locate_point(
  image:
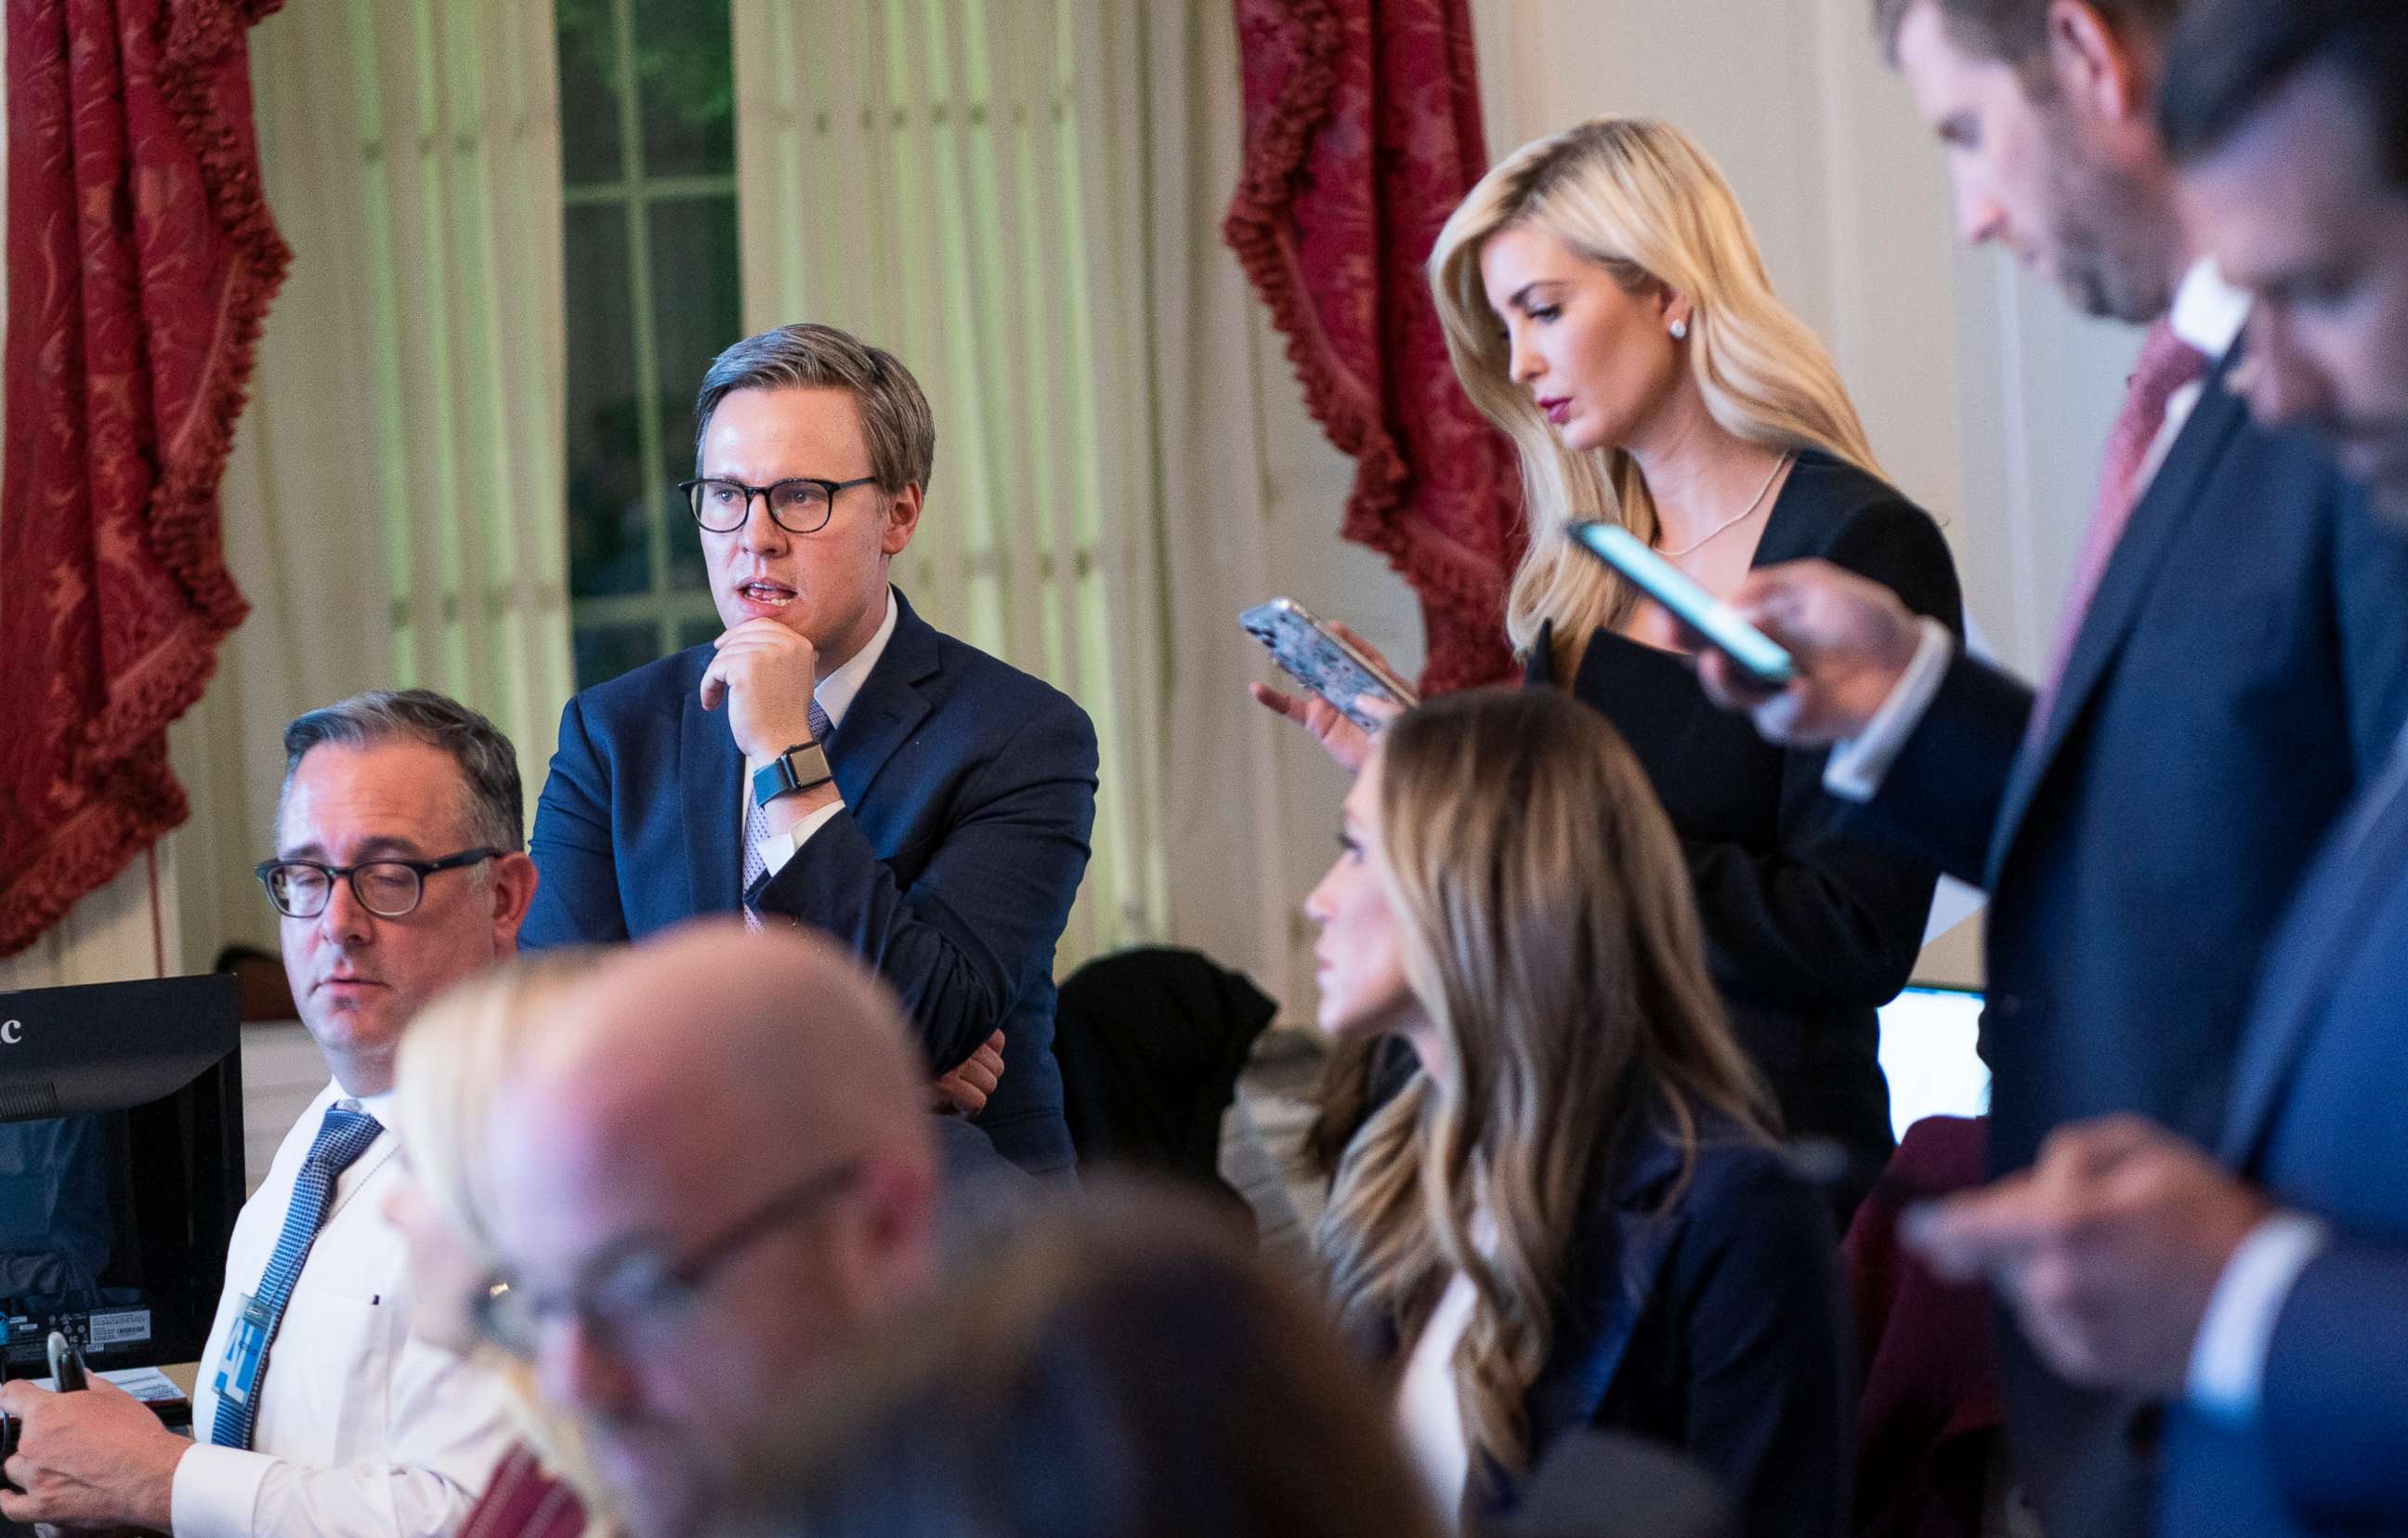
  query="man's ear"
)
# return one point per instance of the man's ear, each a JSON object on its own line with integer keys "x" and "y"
{"x": 514, "y": 888}
{"x": 2095, "y": 65}
{"x": 902, "y": 521}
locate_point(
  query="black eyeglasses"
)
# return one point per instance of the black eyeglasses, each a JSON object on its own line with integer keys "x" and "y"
{"x": 631, "y": 1288}
{"x": 800, "y": 506}
{"x": 388, "y": 888}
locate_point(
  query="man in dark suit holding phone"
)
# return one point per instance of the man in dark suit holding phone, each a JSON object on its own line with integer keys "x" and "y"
{"x": 2260, "y": 1293}
{"x": 832, "y": 759}
{"x": 2232, "y": 667}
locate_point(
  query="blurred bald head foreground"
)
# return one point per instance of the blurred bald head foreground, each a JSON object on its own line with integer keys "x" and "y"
{"x": 705, "y": 1181}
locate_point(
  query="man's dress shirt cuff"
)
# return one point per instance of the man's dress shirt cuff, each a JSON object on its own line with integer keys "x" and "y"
{"x": 1856, "y": 766}
{"x": 2227, "y": 1360}
{"x": 778, "y": 848}
{"x": 216, "y": 1490}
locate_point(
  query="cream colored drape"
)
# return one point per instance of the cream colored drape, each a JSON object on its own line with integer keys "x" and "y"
{"x": 395, "y": 507}
{"x": 964, "y": 182}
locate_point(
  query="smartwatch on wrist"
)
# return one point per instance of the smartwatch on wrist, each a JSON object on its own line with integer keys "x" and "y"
{"x": 797, "y": 769}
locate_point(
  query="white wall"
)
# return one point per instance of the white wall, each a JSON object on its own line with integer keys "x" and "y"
{"x": 1987, "y": 400}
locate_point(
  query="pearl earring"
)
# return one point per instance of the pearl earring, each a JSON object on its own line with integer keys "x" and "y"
{"x": 1679, "y": 331}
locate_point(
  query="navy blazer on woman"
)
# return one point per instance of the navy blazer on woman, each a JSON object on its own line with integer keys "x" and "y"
{"x": 2238, "y": 675}
{"x": 2315, "y": 1121}
{"x": 1713, "y": 1326}
{"x": 970, "y": 790}
{"x": 1813, "y": 915}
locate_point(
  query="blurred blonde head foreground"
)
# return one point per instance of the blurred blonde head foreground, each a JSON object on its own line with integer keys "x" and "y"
{"x": 454, "y": 1055}
{"x": 1131, "y": 1369}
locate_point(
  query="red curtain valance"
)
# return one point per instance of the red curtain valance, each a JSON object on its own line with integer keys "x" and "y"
{"x": 1362, "y": 134}
{"x": 141, "y": 260}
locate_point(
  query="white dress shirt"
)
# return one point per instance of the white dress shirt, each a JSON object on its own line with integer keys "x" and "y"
{"x": 364, "y": 1428}
{"x": 2208, "y": 313}
{"x": 1429, "y": 1411}
{"x": 835, "y": 694}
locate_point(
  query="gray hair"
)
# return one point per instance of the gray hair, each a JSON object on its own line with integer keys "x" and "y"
{"x": 489, "y": 766}
{"x": 895, "y": 415}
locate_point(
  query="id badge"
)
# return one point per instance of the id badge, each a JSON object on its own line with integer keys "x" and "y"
{"x": 246, "y": 1353}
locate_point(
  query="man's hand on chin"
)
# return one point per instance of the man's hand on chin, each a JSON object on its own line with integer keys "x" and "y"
{"x": 93, "y": 1459}
{"x": 765, "y": 673}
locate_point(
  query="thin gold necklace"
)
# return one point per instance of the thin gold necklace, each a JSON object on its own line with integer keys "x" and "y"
{"x": 1733, "y": 521}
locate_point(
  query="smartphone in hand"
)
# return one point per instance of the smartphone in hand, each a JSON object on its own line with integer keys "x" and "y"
{"x": 1762, "y": 658}
{"x": 1324, "y": 661}
{"x": 66, "y": 1364}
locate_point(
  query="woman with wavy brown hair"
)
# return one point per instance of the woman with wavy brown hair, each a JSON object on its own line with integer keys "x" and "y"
{"x": 1574, "y": 1213}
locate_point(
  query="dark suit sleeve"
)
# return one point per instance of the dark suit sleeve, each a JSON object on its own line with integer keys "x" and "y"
{"x": 1833, "y": 915}
{"x": 977, "y": 926}
{"x": 577, "y": 887}
{"x": 2370, "y": 573}
{"x": 2334, "y": 1408}
{"x": 1763, "y": 1328}
{"x": 1942, "y": 793}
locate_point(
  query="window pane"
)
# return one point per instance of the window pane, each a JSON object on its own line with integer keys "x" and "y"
{"x": 605, "y": 651}
{"x": 608, "y": 504}
{"x": 687, "y": 83}
{"x": 589, "y": 93}
{"x": 697, "y": 310}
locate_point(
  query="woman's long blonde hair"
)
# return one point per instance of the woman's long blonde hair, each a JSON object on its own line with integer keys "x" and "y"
{"x": 457, "y": 1050}
{"x": 1549, "y": 928}
{"x": 1640, "y": 199}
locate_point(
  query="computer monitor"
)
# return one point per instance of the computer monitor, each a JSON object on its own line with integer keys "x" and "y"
{"x": 121, "y": 1167}
{"x": 1928, "y": 1035}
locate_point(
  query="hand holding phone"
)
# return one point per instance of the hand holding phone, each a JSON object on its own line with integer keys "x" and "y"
{"x": 1324, "y": 660}
{"x": 66, "y": 1364}
{"x": 1762, "y": 658}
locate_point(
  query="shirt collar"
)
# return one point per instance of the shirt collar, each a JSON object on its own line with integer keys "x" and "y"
{"x": 2208, "y": 311}
{"x": 380, "y": 1106}
{"x": 835, "y": 691}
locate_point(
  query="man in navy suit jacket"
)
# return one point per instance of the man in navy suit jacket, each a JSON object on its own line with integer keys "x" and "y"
{"x": 2235, "y": 676}
{"x": 2263, "y": 1294}
{"x": 831, "y": 759}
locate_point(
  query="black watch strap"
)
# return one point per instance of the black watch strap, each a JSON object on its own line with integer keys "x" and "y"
{"x": 797, "y": 769}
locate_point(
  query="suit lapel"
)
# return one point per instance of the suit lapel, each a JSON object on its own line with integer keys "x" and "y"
{"x": 2152, "y": 535}
{"x": 709, "y": 771}
{"x": 2328, "y": 923}
{"x": 881, "y": 716}
{"x": 1634, "y": 1240}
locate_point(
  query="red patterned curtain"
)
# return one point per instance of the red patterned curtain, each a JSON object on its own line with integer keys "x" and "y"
{"x": 1362, "y": 134}
{"x": 141, "y": 259}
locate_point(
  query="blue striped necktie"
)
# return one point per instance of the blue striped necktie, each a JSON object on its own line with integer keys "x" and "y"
{"x": 342, "y": 1138}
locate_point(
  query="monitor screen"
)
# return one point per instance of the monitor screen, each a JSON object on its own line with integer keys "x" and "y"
{"x": 120, "y": 1168}
{"x": 1929, "y": 1037}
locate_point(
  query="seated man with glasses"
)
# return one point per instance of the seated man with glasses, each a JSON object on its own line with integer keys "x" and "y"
{"x": 316, "y": 1411}
{"x": 831, "y": 759}
{"x": 698, "y": 1192}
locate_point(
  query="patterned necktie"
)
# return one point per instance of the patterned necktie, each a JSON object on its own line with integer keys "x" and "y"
{"x": 2167, "y": 363}
{"x": 754, "y": 865}
{"x": 342, "y": 1138}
